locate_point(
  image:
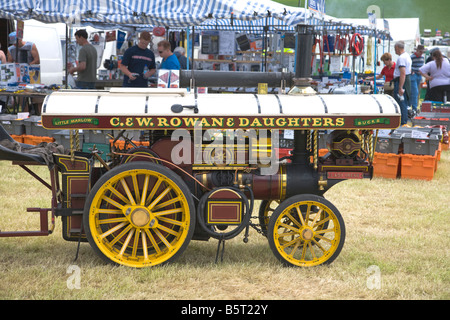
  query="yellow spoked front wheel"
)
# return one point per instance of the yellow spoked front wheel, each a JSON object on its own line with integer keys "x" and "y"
{"x": 139, "y": 214}
{"x": 266, "y": 209}
{"x": 306, "y": 230}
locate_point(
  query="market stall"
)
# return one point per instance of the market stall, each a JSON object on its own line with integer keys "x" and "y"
{"x": 252, "y": 17}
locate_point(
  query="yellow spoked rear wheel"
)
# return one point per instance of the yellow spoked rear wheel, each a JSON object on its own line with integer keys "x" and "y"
{"x": 139, "y": 214}
{"x": 305, "y": 231}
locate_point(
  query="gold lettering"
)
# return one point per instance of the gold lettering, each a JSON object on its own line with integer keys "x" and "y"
{"x": 115, "y": 122}
{"x": 268, "y": 122}
{"x": 162, "y": 122}
{"x": 328, "y": 122}
{"x": 293, "y": 122}
{"x": 256, "y": 123}
{"x": 280, "y": 122}
{"x": 230, "y": 122}
{"x": 205, "y": 123}
{"x": 190, "y": 122}
{"x": 144, "y": 122}
{"x": 217, "y": 122}
{"x": 243, "y": 122}
{"x": 175, "y": 122}
{"x": 340, "y": 122}
{"x": 317, "y": 122}
{"x": 129, "y": 122}
{"x": 305, "y": 121}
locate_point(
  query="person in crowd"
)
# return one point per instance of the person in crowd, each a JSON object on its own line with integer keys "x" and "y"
{"x": 180, "y": 53}
{"x": 2, "y": 61}
{"x": 135, "y": 60}
{"x": 87, "y": 62}
{"x": 2, "y": 56}
{"x": 27, "y": 53}
{"x": 418, "y": 60}
{"x": 387, "y": 72}
{"x": 170, "y": 61}
{"x": 402, "y": 80}
{"x": 437, "y": 73}
{"x": 430, "y": 58}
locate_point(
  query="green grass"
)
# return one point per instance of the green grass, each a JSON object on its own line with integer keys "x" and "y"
{"x": 433, "y": 14}
{"x": 399, "y": 226}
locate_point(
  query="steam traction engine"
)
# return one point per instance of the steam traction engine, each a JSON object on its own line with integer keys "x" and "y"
{"x": 209, "y": 157}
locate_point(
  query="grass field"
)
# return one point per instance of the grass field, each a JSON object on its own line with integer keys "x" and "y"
{"x": 397, "y": 247}
{"x": 433, "y": 14}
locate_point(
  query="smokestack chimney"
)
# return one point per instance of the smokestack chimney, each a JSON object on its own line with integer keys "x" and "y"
{"x": 303, "y": 55}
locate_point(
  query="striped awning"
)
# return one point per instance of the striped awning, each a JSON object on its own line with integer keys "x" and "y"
{"x": 271, "y": 24}
{"x": 232, "y": 15}
{"x": 171, "y": 13}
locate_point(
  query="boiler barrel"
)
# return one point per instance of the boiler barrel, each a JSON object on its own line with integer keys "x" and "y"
{"x": 234, "y": 79}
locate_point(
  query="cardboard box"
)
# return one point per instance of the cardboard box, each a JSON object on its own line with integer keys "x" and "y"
{"x": 34, "y": 72}
{"x": 163, "y": 78}
{"x": 10, "y": 73}
{"x": 15, "y": 73}
{"x": 168, "y": 78}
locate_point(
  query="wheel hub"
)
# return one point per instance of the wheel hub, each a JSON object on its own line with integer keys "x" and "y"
{"x": 307, "y": 234}
{"x": 140, "y": 217}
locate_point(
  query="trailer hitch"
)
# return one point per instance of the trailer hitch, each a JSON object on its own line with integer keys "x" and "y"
{"x": 44, "y": 230}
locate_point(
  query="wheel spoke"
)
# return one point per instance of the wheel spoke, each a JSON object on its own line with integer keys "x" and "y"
{"x": 136, "y": 188}
{"x": 171, "y": 211}
{"x": 158, "y": 198}
{"x": 110, "y": 211}
{"x": 154, "y": 189}
{"x": 127, "y": 241}
{"x": 295, "y": 248}
{"x": 303, "y": 256}
{"x": 328, "y": 218}
{"x": 311, "y": 249}
{"x": 165, "y": 204}
{"x": 128, "y": 192}
{"x": 145, "y": 189}
{"x": 317, "y": 216}
{"x": 170, "y": 231}
{"x": 116, "y": 228}
{"x": 120, "y": 235}
{"x": 287, "y": 234}
{"x": 144, "y": 246}
{"x": 300, "y": 215}
{"x": 324, "y": 239}
{"x": 153, "y": 241}
{"x": 324, "y": 231}
{"x": 289, "y": 227}
{"x": 112, "y": 202}
{"x": 171, "y": 221}
{"x": 319, "y": 246}
{"x": 136, "y": 242}
{"x": 163, "y": 239}
{"x": 308, "y": 211}
{"x": 288, "y": 244}
{"x": 113, "y": 220}
{"x": 119, "y": 195}
{"x": 293, "y": 220}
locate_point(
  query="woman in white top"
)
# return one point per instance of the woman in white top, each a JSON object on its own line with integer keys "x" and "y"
{"x": 437, "y": 73}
